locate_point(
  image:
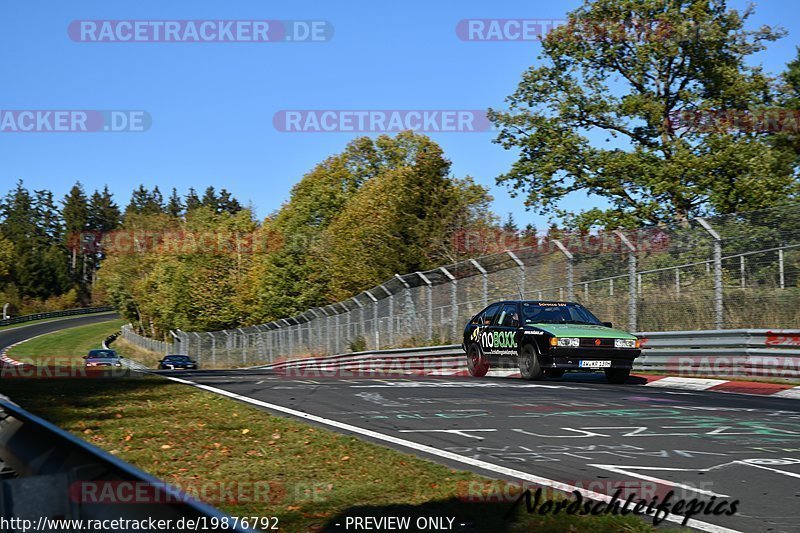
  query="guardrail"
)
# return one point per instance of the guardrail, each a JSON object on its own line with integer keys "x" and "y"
{"x": 52, "y": 469}
{"x": 736, "y": 352}
{"x": 54, "y": 314}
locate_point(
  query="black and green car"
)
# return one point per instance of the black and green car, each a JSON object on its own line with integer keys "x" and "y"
{"x": 547, "y": 339}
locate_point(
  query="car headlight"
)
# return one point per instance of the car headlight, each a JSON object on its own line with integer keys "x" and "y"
{"x": 626, "y": 343}
{"x": 569, "y": 342}
{"x": 118, "y": 364}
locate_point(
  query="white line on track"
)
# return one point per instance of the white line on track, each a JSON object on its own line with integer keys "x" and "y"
{"x": 508, "y": 472}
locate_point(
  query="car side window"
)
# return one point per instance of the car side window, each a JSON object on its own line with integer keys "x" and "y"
{"x": 489, "y": 314}
{"x": 511, "y": 318}
{"x": 508, "y": 317}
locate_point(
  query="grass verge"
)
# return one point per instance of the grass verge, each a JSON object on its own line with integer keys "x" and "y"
{"x": 70, "y": 343}
{"x": 190, "y": 437}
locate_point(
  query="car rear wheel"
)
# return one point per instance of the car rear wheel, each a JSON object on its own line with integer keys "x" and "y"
{"x": 618, "y": 375}
{"x": 529, "y": 366}
{"x": 476, "y": 362}
{"x": 554, "y": 372}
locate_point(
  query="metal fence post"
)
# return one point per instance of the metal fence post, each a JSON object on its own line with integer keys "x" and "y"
{"x": 391, "y": 314}
{"x": 349, "y": 324}
{"x": 719, "y": 318}
{"x": 570, "y": 271}
{"x": 781, "y": 269}
{"x": 360, "y": 324}
{"x": 485, "y": 296}
{"x": 315, "y": 346}
{"x": 199, "y": 355}
{"x": 375, "y": 319}
{"x": 244, "y": 344}
{"x": 291, "y": 337}
{"x": 742, "y": 271}
{"x": 408, "y": 306}
{"x": 213, "y": 349}
{"x": 521, "y": 266}
{"x": 453, "y": 300}
{"x": 429, "y": 285}
{"x": 632, "y": 296}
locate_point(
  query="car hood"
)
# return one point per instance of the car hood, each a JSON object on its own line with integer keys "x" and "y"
{"x": 583, "y": 330}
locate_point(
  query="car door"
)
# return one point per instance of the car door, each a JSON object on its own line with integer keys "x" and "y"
{"x": 484, "y": 331}
{"x": 505, "y": 329}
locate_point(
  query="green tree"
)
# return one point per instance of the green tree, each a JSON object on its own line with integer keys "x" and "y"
{"x": 174, "y": 206}
{"x": 210, "y": 199}
{"x": 192, "y": 200}
{"x": 599, "y": 116}
{"x": 75, "y": 212}
{"x": 145, "y": 202}
{"x": 104, "y": 213}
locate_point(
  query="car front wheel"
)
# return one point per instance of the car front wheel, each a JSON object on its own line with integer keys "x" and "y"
{"x": 476, "y": 362}
{"x": 529, "y": 366}
{"x": 618, "y": 375}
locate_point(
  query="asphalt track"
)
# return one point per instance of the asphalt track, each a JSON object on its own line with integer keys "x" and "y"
{"x": 580, "y": 431}
{"x": 22, "y": 332}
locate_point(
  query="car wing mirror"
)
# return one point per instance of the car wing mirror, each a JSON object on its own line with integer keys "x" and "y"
{"x": 608, "y": 324}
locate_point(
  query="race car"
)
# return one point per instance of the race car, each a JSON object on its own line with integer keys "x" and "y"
{"x": 544, "y": 338}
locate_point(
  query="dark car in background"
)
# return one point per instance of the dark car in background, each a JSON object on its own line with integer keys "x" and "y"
{"x": 177, "y": 362}
{"x": 545, "y": 338}
{"x": 104, "y": 357}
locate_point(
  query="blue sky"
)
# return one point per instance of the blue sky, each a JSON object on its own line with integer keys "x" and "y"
{"x": 212, "y": 103}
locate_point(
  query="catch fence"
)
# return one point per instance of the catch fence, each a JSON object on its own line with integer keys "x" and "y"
{"x": 731, "y": 271}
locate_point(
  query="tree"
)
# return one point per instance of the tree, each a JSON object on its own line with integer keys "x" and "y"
{"x": 399, "y": 221}
{"x": 76, "y": 219}
{"x": 510, "y": 225}
{"x": 226, "y": 203}
{"x": 192, "y": 200}
{"x": 174, "y": 206}
{"x": 599, "y": 116}
{"x": 144, "y": 202}
{"x": 210, "y": 199}
{"x": 790, "y": 100}
{"x": 104, "y": 213}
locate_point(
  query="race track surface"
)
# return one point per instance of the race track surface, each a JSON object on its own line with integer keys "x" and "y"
{"x": 22, "y": 332}
{"x": 580, "y": 431}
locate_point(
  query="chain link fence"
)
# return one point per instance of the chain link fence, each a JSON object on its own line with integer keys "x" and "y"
{"x": 127, "y": 333}
{"x": 731, "y": 271}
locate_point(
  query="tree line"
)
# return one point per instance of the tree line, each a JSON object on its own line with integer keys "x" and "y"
{"x": 382, "y": 206}
{"x": 47, "y": 258}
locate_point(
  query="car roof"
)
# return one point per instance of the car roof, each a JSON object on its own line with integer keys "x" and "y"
{"x": 562, "y": 302}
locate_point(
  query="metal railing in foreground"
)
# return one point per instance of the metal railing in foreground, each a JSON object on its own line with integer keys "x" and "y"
{"x": 735, "y": 352}
{"x": 57, "y": 476}
{"x": 54, "y": 314}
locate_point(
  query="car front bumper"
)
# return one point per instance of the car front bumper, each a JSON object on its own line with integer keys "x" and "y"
{"x": 570, "y": 358}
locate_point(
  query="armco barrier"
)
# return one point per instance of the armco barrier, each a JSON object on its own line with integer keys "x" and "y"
{"x": 740, "y": 352}
{"x": 44, "y": 465}
{"x": 54, "y": 314}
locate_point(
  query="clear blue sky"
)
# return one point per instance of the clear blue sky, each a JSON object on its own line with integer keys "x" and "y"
{"x": 212, "y": 103}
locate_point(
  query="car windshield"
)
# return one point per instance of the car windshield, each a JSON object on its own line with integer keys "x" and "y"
{"x": 102, "y": 354}
{"x": 176, "y": 358}
{"x": 557, "y": 313}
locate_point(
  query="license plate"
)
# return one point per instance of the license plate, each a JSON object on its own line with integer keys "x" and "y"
{"x": 594, "y": 364}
